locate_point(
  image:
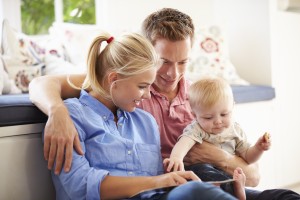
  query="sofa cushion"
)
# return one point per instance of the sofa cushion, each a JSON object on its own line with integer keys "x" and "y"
{"x": 210, "y": 57}
{"x": 252, "y": 93}
{"x": 17, "y": 109}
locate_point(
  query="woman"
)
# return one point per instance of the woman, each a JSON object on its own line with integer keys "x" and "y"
{"x": 121, "y": 143}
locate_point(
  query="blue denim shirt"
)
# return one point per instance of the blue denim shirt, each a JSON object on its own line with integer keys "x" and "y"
{"x": 130, "y": 148}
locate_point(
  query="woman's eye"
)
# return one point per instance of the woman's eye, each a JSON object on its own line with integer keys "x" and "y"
{"x": 142, "y": 87}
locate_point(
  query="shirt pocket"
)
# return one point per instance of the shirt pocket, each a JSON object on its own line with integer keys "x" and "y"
{"x": 149, "y": 158}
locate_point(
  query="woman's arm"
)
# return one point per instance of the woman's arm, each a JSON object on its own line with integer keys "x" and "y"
{"x": 208, "y": 153}
{"x": 46, "y": 93}
{"x": 113, "y": 187}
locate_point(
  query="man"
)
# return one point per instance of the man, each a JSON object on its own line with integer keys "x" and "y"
{"x": 171, "y": 32}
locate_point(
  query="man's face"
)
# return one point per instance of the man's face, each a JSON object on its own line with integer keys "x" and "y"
{"x": 175, "y": 56}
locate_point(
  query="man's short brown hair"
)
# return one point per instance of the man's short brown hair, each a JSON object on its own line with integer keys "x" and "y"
{"x": 170, "y": 24}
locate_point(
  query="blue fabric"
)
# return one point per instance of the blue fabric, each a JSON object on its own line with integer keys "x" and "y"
{"x": 131, "y": 148}
{"x": 252, "y": 93}
{"x": 207, "y": 172}
{"x": 193, "y": 190}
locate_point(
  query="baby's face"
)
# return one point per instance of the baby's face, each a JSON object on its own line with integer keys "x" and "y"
{"x": 215, "y": 119}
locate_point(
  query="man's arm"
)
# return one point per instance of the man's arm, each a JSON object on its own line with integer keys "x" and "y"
{"x": 208, "y": 153}
{"x": 46, "y": 93}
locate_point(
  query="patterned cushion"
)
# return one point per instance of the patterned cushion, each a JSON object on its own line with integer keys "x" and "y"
{"x": 210, "y": 57}
{"x": 21, "y": 56}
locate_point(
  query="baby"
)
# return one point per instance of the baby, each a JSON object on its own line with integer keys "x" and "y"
{"x": 212, "y": 102}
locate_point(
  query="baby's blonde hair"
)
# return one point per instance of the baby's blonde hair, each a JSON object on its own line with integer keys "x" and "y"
{"x": 128, "y": 55}
{"x": 208, "y": 91}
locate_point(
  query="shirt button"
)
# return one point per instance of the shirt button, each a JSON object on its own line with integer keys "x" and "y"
{"x": 130, "y": 173}
{"x": 129, "y": 152}
{"x": 104, "y": 117}
{"x": 120, "y": 124}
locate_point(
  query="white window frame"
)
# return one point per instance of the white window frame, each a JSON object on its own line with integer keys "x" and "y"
{"x": 11, "y": 10}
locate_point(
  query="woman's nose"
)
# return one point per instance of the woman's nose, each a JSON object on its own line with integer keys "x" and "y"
{"x": 147, "y": 94}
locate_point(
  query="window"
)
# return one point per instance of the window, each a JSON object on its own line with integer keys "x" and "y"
{"x": 38, "y": 15}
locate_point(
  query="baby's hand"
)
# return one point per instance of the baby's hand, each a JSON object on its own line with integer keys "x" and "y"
{"x": 173, "y": 164}
{"x": 264, "y": 142}
{"x": 267, "y": 137}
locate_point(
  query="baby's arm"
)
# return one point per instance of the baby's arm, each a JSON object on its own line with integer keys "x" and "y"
{"x": 179, "y": 151}
{"x": 254, "y": 153}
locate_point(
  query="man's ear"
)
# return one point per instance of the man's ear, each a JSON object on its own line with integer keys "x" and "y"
{"x": 112, "y": 77}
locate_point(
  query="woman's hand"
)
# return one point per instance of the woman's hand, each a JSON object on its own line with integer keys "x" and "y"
{"x": 175, "y": 178}
{"x": 60, "y": 133}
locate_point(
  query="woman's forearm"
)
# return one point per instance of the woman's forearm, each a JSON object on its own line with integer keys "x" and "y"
{"x": 113, "y": 187}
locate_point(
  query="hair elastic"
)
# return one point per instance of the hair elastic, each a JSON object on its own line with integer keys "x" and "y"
{"x": 110, "y": 39}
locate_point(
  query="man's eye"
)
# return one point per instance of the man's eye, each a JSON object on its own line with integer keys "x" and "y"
{"x": 183, "y": 63}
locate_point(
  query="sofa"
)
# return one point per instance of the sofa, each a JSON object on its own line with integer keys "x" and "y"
{"x": 23, "y": 168}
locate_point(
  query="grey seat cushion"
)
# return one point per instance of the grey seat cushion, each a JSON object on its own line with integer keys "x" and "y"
{"x": 252, "y": 93}
{"x": 17, "y": 110}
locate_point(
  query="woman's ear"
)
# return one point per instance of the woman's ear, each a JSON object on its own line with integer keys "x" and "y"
{"x": 112, "y": 77}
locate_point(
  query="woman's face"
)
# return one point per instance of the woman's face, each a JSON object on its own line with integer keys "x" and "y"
{"x": 129, "y": 92}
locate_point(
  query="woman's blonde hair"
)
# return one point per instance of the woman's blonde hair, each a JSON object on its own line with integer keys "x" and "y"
{"x": 208, "y": 91}
{"x": 127, "y": 55}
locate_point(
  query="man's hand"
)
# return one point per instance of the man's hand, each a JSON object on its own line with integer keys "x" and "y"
{"x": 60, "y": 133}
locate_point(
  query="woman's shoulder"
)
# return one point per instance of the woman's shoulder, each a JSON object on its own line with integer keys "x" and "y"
{"x": 143, "y": 116}
{"x": 143, "y": 113}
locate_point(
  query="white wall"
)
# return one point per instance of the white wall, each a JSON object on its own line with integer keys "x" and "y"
{"x": 129, "y": 14}
{"x": 248, "y": 30}
{"x": 286, "y": 69}
{"x": 10, "y": 9}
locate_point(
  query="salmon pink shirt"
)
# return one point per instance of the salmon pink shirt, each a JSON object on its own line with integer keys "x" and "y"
{"x": 172, "y": 117}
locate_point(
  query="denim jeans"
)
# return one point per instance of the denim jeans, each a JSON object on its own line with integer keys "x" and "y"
{"x": 192, "y": 190}
{"x": 207, "y": 172}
